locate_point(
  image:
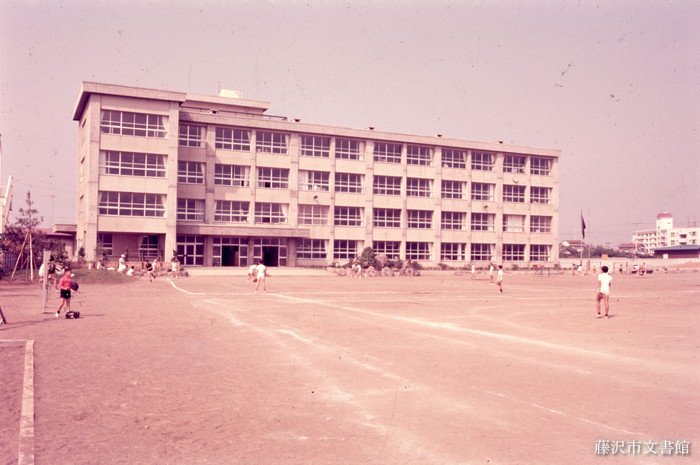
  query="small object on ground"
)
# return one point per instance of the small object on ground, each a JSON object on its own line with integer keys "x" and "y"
{"x": 72, "y": 315}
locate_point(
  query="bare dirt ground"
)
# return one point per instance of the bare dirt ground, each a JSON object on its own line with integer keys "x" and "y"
{"x": 326, "y": 370}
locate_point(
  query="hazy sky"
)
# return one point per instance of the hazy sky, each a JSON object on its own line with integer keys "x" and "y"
{"x": 615, "y": 85}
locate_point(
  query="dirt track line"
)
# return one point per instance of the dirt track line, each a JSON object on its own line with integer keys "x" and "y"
{"x": 504, "y": 337}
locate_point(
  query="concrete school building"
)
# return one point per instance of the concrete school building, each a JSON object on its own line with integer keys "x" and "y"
{"x": 218, "y": 180}
{"x": 665, "y": 235}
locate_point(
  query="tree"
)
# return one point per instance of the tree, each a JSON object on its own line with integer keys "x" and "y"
{"x": 16, "y": 239}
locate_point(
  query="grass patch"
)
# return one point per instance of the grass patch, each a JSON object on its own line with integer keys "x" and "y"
{"x": 86, "y": 276}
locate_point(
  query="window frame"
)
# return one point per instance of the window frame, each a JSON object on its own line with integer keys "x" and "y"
{"x": 190, "y": 172}
{"x": 234, "y": 139}
{"x": 388, "y": 187}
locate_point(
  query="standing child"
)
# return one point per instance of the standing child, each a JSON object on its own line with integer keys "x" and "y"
{"x": 473, "y": 272}
{"x": 150, "y": 271}
{"x": 174, "y": 268}
{"x": 491, "y": 273}
{"x": 65, "y": 285}
{"x": 260, "y": 274}
{"x": 499, "y": 278}
{"x": 604, "y": 282}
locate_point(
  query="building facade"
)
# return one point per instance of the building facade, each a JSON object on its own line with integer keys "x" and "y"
{"x": 664, "y": 235}
{"x": 224, "y": 184}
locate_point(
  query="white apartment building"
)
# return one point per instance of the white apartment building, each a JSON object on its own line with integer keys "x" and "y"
{"x": 664, "y": 235}
{"x": 216, "y": 179}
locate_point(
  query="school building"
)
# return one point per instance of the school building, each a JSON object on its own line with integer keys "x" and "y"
{"x": 218, "y": 180}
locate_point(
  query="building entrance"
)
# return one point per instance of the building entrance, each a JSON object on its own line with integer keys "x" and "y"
{"x": 230, "y": 255}
{"x": 270, "y": 255}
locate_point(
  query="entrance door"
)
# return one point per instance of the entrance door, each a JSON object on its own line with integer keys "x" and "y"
{"x": 229, "y": 255}
{"x": 270, "y": 255}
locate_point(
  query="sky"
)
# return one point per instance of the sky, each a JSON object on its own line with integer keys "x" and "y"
{"x": 614, "y": 85}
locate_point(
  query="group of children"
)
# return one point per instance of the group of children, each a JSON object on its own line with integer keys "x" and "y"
{"x": 151, "y": 268}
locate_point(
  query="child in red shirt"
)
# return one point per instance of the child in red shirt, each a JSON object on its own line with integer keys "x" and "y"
{"x": 65, "y": 285}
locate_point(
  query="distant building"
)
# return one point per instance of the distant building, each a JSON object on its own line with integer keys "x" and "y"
{"x": 222, "y": 183}
{"x": 678, "y": 251}
{"x": 665, "y": 235}
{"x": 627, "y": 248}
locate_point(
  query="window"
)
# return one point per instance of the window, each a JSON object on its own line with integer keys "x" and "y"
{"x": 386, "y": 218}
{"x": 232, "y": 139}
{"x": 190, "y": 172}
{"x": 420, "y": 219}
{"x": 482, "y": 191}
{"x": 386, "y": 152}
{"x": 540, "y": 224}
{"x": 513, "y": 223}
{"x": 190, "y": 209}
{"x": 132, "y": 164}
{"x": 418, "y": 187}
{"x": 540, "y": 166}
{"x": 539, "y": 252}
{"x": 344, "y": 249}
{"x": 273, "y": 213}
{"x": 191, "y": 135}
{"x": 483, "y": 221}
{"x": 148, "y": 247}
{"x": 540, "y": 195}
{"x": 387, "y": 185}
{"x": 513, "y": 193}
{"x": 453, "y": 252}
{"x": 514, "y": 164}
{"x": 388, "y": 248}
{"x": 482, "y": 161}
{"x": 190, "y": 249}
{"x": 514, "y": 252}
{"x": 105, "y": 242}
{"x": 273, "y": 178}
{"x": 314, "y": 180}
{"x": 231, "y": 211}
{"x": 271, "y": 142}
{"x": 453, "y": 189}
{"x": 349, "y": 182}
{"x": 416, "y": 155}
{"x": 130, "y": 204}
{"x": 418, "y": 250}
{"x": 133, "y": 124}
{"x": 482, "y": 252}
{"x": 231, "y": 175}
{"x": 311, "y": 248}
{"x": 348, "y": 149}
{"x": 313, "y": 214}
{"x": 348, "y": 216}
{"x": 454, "y": 158}
{"x": 452, "y": 220}
{"x": 315, "y": 146}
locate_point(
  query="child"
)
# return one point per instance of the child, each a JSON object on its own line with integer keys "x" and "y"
{"x": 473, "y": 272}
{"x": 65, "y": 285}
{"x": 251, "y": 273}
{"x": 150, "y": 271}
{"x": 174, "y": 268}
{"x": 131, "y": 271}
{"x": 604, "y": 282}
{"x": 260, "y": 274}
{"x": 499, "y": 278}
{"x": 491, "y": 273}
{"x": 122, "y": 264}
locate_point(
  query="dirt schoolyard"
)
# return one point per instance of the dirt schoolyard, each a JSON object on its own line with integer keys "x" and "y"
{"x": 320, "y": 369}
